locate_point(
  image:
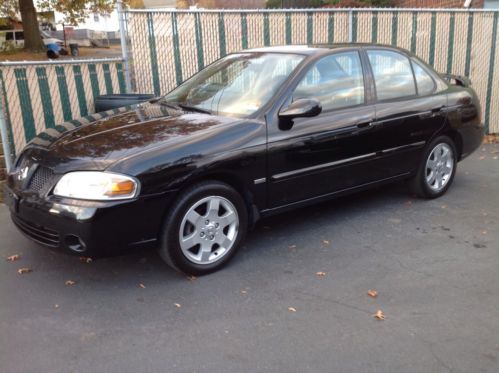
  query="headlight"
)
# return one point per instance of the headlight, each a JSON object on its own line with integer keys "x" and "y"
{"x": 96, "y": 185}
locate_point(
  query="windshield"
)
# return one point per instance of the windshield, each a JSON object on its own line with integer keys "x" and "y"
{"x": 237, "y": 85}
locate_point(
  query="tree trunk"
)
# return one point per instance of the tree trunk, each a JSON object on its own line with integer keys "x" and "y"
{"x": 32, "y": 38}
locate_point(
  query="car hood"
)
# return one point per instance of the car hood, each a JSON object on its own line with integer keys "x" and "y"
{"x": 110, "y": 137}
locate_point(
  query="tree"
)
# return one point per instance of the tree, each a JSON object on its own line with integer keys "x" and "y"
{"x": 75, "y": 12}
{"x": 32, "y": 38}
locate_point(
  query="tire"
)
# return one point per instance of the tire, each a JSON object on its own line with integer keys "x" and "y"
{"x": 198, "y": 237}
{"x": 436, "y": 170}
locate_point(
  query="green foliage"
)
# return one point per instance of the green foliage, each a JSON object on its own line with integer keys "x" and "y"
{"x": 273, "y": 4}
{"x": 76, "y": 11}
{"x": 328, "y": 3}
{"x": 359, "y": 3}
{"x": 9, "y": 8}
{"x": 295, "y": 3}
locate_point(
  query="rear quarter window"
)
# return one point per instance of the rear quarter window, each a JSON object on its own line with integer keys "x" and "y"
{"x": 424, "y": 81}
{"x": 392, "y": 74}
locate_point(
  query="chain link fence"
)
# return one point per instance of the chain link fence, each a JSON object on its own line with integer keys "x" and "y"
{"x": 167, "y": 47}
{"x": 48, "y": 96}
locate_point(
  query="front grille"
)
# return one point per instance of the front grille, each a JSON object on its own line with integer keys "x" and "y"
{"x": 37, "y": 232}
{"x": 41, "y": 181}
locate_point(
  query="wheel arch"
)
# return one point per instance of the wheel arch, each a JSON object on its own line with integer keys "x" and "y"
{"x": 233, "y": 181}
{"x": 456, "y": 137}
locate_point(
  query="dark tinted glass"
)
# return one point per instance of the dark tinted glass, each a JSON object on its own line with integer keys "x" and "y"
{"x": 392, "y": 74}
{"x": 336, "y": 81}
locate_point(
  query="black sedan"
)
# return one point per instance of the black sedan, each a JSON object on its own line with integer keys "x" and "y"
{"x": 253, "y": 134}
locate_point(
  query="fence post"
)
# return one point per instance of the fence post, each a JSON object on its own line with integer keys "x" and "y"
{"x": 7, "y": 151}
{"x": 350, "y": 25}
{"x": 124, "y": 45}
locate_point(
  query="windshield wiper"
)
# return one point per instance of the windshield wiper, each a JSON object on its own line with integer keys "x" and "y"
{"x": 169, "y": 104}
{"x": 194, "y": 108}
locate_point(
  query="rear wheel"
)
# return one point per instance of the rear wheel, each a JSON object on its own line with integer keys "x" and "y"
{"x": 204, "y": 228}
{"x": 437, "y": 169}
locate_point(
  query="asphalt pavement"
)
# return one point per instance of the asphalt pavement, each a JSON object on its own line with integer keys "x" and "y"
{"x": 293, "y": 300}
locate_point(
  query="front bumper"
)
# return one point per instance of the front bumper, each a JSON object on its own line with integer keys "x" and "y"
{"x": 88, "y": 227}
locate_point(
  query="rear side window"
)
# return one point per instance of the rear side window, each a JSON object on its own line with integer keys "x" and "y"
{"x": 392, "y": 74}
{"x": 335, "y": 80}
{"x": 424, "y": 81}
{"x": 19, "y": 35}
{"x": 9, "y": 36}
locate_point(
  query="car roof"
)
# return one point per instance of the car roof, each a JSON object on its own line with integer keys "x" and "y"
{"x": 312, "y": 49}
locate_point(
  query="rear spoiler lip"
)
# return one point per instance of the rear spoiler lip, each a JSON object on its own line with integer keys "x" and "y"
{"x": 459, "y": 79}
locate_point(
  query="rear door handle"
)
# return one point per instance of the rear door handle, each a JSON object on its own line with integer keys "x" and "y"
{"x": 433, "y": 112}
{"x": 369, "y": 124}
{"x": 427, "y": 114}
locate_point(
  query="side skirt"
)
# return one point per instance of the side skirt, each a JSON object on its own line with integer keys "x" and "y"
{"x": 336, "y": 194}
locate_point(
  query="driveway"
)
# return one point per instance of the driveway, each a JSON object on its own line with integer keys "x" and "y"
{"x": 435, "y": 265}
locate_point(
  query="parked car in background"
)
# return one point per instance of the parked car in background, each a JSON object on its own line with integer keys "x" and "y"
{"x": 256, "y": 133}
{"x": 15, "y": 39}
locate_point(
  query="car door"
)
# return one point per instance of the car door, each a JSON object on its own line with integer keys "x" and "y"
{"x": 409, "y": 110}
{"x": 329, "y": 152}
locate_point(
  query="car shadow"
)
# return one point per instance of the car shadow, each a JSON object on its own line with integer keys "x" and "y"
{"x": 145, "y": 267}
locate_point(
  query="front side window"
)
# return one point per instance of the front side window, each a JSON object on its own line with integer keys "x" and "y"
{"x": 237, "y": 85}
{"x": 392, "y": 74}
{"x": 336, "y": 81}
{"x": 424, "y": 81}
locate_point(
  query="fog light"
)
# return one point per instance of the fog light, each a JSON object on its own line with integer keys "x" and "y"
{"x": 75, "y": 243}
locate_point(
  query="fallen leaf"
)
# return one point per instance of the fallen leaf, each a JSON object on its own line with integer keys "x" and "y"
{"x": 484, "y": 232}
{"x": 320, "y": 274}
{"x": 326, "y": 242}
{"x": 444, "y": 206}
{"x": 243, "y": 291}
{"x": 85, "y": 259}
{"x": 495, "y": 157}
{"x": 56, "y": 306}
{"x": 70, "y": 283}
{"x": 191, "y": 278}
{"x": 24, "y": 270}
{"x": 494, "y": 152}
{"x": 142, "y": 286}
{"x": 380, "y": 315}
{"x": 291, "y": 309}
{"x": 13, "y": 258}
{"x": 177, "y": 305}
{"x": 372, "y": 293}
{"x": 481, "y": 158}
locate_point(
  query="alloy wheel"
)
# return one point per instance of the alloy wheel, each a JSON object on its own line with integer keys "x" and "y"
{"x": 209, "y": 230}
{"x": 439, "y": 167}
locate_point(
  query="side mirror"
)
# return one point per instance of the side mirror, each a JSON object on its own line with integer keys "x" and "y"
{"x": 303, "y": 107}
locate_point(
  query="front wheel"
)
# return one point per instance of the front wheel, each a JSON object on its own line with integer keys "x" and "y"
{"x": 204, "y": 229}
{"x": 437, "y": 169}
